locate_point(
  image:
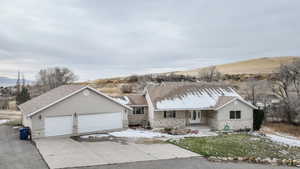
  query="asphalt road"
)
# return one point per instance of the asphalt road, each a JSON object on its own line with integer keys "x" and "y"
{"x": 17, "y": 154}
{"x": 187, "y": 163}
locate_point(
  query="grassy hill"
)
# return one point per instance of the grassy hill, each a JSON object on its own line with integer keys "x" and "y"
{"x": 254, "y": 66}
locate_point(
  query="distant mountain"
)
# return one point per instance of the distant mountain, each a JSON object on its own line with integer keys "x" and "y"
{"x": 5, "y": 81}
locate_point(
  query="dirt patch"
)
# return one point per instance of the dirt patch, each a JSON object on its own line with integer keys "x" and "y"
{"x": 149, "y": 141}
{"x": 99, "y": 139}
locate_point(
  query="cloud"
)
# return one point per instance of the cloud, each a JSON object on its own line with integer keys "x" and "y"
{"x": 100, "y": 39}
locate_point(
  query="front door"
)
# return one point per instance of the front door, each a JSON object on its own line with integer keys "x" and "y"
{"x": 195, "y": 117}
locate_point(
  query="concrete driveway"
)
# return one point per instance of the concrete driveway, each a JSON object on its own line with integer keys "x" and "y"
{"x": 66, "y": 152}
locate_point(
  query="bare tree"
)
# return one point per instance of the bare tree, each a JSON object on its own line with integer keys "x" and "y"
{"x": 251, "y": 91}
{"x": 287, "y": 87}
{"x": 126, "y": 88}
{"x": 54, "y": 77}
{"x": 210, "y": 74}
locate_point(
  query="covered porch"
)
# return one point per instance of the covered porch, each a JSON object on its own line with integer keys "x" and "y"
{"x": 200, "y": 119}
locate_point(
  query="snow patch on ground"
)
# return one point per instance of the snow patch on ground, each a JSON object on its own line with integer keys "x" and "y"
{"x": 130, "y": 133}
{"x": 95, "y": 135}
{"x": 291, "y": 141}
{"x": 3, "y": 121}
{"x": 137, "y": 134}
{"x": 17, "y": 127}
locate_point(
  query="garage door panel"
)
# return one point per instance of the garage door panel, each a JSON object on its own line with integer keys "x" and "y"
{"x": 98, "y": 122}
{"x": 55, "y": 126}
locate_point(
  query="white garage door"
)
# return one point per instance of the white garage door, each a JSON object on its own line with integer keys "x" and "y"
{"x": 97, "y": 122}
{"x": 55, "y": 126}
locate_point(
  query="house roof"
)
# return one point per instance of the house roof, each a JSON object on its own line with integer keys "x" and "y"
{"x": 54, "y": 96}
{"x": 132, "y": 100}
{"x": 137, "y": 99}
{"x": 185, "y": 96}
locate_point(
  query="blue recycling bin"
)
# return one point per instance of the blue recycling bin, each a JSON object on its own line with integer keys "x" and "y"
{"x": 24, "y": 133}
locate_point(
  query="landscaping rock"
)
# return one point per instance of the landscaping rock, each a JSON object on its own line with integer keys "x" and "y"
{"x": 258, "y": 160}
{"x": 284, "y": 162}
{"x": 214, "y": 159}
{"x": 273, "y": 161}
{"x": 245, "y": 158}
{"x": 224, "y": 158}
{"x": 295, "y": 162}
{"x": 252, "y": 159}
{"x": 266, "y": 160}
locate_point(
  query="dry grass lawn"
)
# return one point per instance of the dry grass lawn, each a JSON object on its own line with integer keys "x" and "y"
{"x": 238, "y": 145}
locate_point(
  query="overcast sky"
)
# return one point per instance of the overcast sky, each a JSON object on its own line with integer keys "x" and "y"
{"x": 98, "y": 39}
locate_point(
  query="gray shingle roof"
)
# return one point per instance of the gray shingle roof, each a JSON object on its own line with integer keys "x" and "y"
{"x": 173, "y": 96}
{"x": 48, "y": 98}
{"x": 132, "y": 100}
{"x": 137, "y": 99}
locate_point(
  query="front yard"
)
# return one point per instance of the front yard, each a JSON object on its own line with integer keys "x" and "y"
{"x": 238, "y": 145}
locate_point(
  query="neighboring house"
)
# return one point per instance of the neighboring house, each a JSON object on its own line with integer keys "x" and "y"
{"x": 5, "y": 102}
{"x": 73, "y": 110}
{"x": 186, "y": 104}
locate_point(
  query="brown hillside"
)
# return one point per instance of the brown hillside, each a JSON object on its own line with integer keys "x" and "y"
{"x": 260, "y": 67}
{"x": 254, "y": 66}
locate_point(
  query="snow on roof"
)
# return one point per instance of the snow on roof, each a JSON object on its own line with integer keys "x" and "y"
{"x": 186, "y": 96}
{"x": 132, "y": 100}
{"x": 200, "y": 99}
{"x": 122, "y": 99}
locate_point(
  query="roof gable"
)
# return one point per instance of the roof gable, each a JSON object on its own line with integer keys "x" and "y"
{"x": 56, "y": 95}
{"x": 49, "y": 97}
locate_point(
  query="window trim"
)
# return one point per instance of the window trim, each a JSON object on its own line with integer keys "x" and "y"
{"x": 134, "y": 111}
{"x": 235, "y": 114}
{"x": 169, "y": 114}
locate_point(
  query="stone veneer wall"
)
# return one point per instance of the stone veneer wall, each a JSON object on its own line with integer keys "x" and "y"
{"x": 137, "y": 119}
{"x": 168, "y": 123}
{"x": 161, "y": 122}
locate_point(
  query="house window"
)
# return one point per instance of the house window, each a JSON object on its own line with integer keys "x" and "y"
{"x": 235, "y": 115}
{"x": 138, "y": 110}
{"x": 169, "y": 114}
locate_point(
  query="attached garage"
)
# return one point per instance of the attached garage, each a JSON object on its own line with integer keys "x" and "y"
{"x": 73, "y": 110}
{"x": 103, "y": 121}
{"x": 55, "y": 126}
